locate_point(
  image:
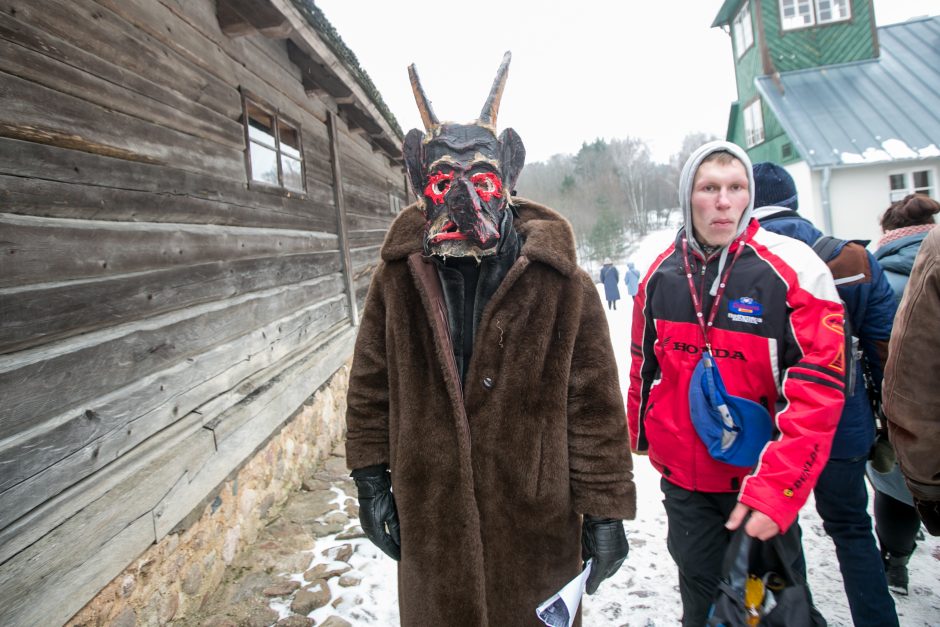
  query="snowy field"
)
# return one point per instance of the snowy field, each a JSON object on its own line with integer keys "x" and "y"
{"x": 645, "y": 591}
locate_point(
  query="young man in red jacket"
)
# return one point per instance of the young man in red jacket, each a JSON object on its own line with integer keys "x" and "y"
{"x": 765, "y": 310}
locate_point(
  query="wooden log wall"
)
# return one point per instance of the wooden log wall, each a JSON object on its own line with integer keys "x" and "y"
{"x": 160, "y": 317}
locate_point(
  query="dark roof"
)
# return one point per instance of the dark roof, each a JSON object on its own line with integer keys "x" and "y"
{"x": 322, "y": 26}
{"x": 878, "y": 110}
{"x": 727, "y": 12}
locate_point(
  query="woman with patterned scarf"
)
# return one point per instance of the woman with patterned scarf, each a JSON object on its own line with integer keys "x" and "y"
{"x": 905, "y": 224}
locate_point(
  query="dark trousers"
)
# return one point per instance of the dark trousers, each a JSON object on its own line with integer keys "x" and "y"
{"x": 697, "y": 540}
{"x": 842, "y": 503}
{"x": 896, "y": 524}
{"x": 611, "y": 304}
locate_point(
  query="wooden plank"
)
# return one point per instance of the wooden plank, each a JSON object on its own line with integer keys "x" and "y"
{"x": 246, "y": 426}
{"x": 340, "y": 203}
{"x": 365, "y": 255}
{"x": 105, "y": 188}
{"x": 233, "y": 23}
{"x": 89, "y": 366}
{"x": 316, "y": 76}
{"x": 103, "y": 537}
{"x": 93, "y": 28}
{"x": 360, "y": 223}
{"x": 37, "y": 113}
{"x": 367, "y": 237}
{"x": 53, "y": 461}
{"x": 356, "y": 116}
{"x": 42, "y": 58}
{"x": 107, "y": 535}
{"x": 37, "y": 250}
{"x": 52, "y": 311}
{"x": 260, "y": 14}
{"x": 43, "y": 198}
{"x": 55, "y": 598}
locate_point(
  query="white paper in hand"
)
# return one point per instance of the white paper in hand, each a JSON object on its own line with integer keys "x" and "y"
{"x": 560, "y": 609}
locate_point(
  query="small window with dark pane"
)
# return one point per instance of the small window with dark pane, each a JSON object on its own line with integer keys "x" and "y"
{"x": 275, "y": 157}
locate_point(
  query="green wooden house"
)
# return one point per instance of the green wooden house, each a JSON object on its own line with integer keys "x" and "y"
{"x": 849, "y": 108}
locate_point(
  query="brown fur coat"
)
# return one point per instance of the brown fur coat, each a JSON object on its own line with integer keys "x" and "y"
{"x": 490, "y": 480}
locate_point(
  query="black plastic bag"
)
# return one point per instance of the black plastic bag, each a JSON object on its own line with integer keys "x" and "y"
{"x": 784, "y": 598}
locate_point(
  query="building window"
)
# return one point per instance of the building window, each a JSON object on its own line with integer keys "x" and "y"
{"x": 912, "y": 182}
{"x": 275, "y": 157}
{"x": 394, "y": 203}
{"x": 742, "y": 30}
{"x": 753, "y": 124}
{"x": 802, "y": 13}
{"x": 833, "y": 11}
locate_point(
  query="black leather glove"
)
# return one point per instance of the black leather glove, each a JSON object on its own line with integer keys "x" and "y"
{"x": 604, "y": 540}
{"x": 929, "y": 515}
{"x": 378, "y": 515}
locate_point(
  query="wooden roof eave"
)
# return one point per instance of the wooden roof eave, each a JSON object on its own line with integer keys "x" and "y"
{"x": 306, "y": 40}
{"x": 322, "y": 72}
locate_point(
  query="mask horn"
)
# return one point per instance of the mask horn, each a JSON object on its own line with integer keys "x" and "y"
{"x": 424, "y": 105}
{"x": 491, "y": 108}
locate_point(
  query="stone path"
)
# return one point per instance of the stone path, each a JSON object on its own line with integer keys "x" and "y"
{"x": 302, "y": 570}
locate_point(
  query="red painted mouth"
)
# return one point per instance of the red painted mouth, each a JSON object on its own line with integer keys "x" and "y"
{"x": 448, "y": 234}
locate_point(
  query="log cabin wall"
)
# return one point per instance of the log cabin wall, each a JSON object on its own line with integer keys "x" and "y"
{"x": 161, "y": 313}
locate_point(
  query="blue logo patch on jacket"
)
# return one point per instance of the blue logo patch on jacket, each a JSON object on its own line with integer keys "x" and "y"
{"x": 746, "y": 306}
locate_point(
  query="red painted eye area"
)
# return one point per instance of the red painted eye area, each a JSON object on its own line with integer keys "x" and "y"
{"x": 487, "y": 184}
{"x": 438, "y": 184}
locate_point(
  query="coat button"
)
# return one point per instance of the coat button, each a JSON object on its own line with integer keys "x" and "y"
{"x": 488, "y": 383}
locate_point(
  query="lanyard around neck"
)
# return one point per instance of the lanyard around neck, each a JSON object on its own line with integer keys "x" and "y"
{"x": 699, "y": 315}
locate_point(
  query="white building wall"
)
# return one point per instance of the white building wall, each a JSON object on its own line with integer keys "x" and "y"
{"x": 858, "y": 195}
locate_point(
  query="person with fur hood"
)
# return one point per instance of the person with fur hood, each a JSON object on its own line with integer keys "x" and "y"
{"x": 485, "y": 425}
{"x": 763, "y": 311}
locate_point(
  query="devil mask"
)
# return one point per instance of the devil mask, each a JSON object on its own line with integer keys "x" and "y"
{"x": 463, "y": 174}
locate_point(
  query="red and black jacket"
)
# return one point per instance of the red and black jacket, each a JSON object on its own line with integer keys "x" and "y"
{"x": 777, "y": 339}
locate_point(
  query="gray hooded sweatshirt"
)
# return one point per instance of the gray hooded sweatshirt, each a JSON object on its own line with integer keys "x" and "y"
{"x": 685, "y": 196}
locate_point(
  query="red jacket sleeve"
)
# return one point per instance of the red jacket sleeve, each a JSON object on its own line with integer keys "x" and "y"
{"x": 812, "y": 392}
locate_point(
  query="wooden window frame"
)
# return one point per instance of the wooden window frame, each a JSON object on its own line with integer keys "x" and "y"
{"x": 848, "y": 4}
{"x": 279, "y": 120}
{"x": 753, "y": 135}
{"x": 736, "y": 23}
{"x": 908, "y": 174}
{"x": 814, "y": 15}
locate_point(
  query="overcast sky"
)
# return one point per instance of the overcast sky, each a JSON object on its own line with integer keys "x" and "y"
{"x": 581, "y": 69}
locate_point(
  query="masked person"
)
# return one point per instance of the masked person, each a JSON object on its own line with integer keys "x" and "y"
{"x": 762, "y": 310}
{"x": 485, "y": 422}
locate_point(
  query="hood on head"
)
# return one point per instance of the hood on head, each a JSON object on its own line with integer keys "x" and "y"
{"x": 688, "y": 176}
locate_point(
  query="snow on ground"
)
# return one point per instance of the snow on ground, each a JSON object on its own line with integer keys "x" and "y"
{"x": 645, "y": 590}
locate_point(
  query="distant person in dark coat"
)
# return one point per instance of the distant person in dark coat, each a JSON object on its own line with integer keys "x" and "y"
{"x": 841, "y": 493}
{"x": 610, "y": 277}
{"x": 905, "y": 224}
{"x": 631, "y": 278}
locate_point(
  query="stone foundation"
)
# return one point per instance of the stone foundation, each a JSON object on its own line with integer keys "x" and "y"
{"x": 171, "y": 580}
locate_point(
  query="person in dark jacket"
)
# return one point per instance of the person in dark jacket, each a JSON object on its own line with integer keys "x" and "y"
{"x": 484, "y": 418}
{"x": 610, "y": 277}
{"x": 841, "y": 493}
{"x": 631, "y": 278}
{"x": 905, "y": 224}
